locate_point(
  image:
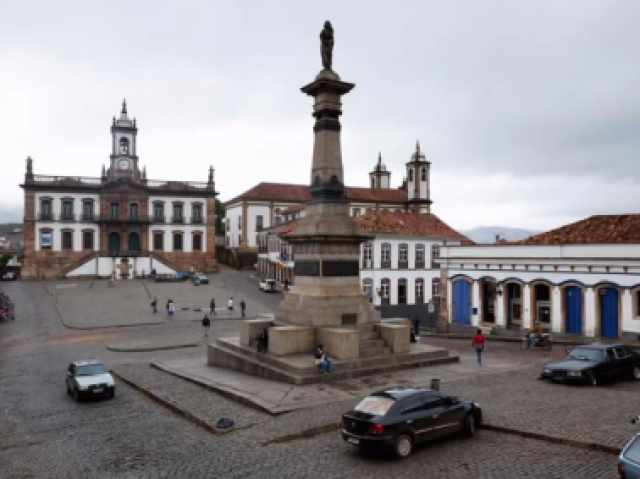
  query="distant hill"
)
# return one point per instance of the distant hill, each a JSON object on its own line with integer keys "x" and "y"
{"x": 487, "y": 234}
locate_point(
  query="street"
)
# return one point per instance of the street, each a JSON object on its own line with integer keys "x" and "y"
{"x": 46, "y": 434}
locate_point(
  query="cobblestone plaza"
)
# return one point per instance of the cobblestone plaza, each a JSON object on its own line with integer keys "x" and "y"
{"x": 46, "y": 434}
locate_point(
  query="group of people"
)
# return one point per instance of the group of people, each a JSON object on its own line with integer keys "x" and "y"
{"x": 212, "y": 306}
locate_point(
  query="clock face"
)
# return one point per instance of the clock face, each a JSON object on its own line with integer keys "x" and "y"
{"x": 123, "y": 164}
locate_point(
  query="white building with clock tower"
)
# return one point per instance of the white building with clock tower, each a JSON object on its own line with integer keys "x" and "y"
{"x": 120, "y": 224}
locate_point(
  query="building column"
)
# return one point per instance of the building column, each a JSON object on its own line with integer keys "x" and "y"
{"x": 475, "y": 302}
{"x": 589, "y": 312}
{"x": 526, "y": 297}
{"x": 449, "y": 300}
{"x": 244, "y": 242}
{"x": 501, "y": 318}
{"x": 626, "y": 316}
{"x": 556, "y": 310}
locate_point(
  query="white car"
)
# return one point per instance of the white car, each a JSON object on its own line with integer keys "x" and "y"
{"x": 89, "y": 379}
{"x": 268, "y": 285}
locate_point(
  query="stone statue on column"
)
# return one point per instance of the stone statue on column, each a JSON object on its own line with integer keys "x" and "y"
{"x": 326, "y": 45}
{"x": 29, "y": 174}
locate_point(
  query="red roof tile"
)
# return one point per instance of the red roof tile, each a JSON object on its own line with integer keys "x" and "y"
{"x": 300, "y": 194}
{"x": 295, "y": 208}
{"x": 595, "y": 229}
{"x": 407, "y": 223}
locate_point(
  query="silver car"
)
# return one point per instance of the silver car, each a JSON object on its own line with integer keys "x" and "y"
{"x": 89, "y": 378}
{"x": 629, "y": 460}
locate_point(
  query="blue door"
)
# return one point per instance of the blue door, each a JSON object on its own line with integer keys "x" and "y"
{"x": 461, "y": 302}
{"x": 609, "y": 313}
{"x": 573, "y": 307}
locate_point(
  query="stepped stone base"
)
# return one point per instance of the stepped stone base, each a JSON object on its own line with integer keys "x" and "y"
{"x": 300, "y": 368}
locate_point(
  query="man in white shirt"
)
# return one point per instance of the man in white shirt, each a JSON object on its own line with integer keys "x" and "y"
{"x": 230, "y": 303}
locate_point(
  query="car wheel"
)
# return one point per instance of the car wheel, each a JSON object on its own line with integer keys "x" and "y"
{"x": 593, "y": 380}
{"x": 636, "y": 373}
{"x": 403, "y": 446}
{"x": 111, "y": 393}
{"x": 76, "y": 395}
{"x": 68, "y": 390}
{"x": 468, "y": 426}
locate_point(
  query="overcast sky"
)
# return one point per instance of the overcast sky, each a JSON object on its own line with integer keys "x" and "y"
{"x": 528, "y": 111}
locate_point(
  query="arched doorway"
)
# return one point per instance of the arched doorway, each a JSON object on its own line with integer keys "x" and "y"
{"x": 514, "y": 305}
{"x": 488, "y": 300}
{"x": 461, "y": 302}
{"x": 541, "y": 304}
{"x": 134, "y": 242}
{"x": 609, "y": 312}
{"x": 573, "y": 309}
{"x": 114, "y": 242}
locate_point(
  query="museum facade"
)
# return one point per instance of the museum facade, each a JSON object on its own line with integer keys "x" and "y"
{"x": 120, "y": 224}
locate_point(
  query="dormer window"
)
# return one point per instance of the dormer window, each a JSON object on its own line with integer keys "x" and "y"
{"x": 124, "y": 146}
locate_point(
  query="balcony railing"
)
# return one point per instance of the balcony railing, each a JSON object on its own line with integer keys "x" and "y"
{"x": 67, "y": 217}
{"x": 67, "y": 180}
{"x": 90, "y": 217}
{"x": 45, "y": 217}
{"x": 367, "y": 264}
{"x": 159, "y": 219}
{"x": 403, "y": 264}
{"x": 196, "y": 220}
{"x": 420, "y": 264}
{"x": 385, "y": 264}
{"x": 177, "y": 220}
{"x": 125, "y": 218}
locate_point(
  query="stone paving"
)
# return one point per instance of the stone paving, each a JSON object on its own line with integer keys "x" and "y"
{"x": 46, "y": 434}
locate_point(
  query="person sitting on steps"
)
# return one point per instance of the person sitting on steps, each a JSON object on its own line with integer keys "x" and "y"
{"x": 322, "y": 359}
{"x": 263, "y": 341}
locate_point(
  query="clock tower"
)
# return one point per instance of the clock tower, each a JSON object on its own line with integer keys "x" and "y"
{"x": 124, "y": 158}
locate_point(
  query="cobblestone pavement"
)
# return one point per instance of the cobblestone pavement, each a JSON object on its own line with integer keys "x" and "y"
{"x": 45, "y": 434}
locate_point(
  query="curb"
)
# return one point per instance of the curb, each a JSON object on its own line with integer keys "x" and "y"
{"x": 304, "y": 434}
{"x": 508, "y": 339}
{"x": 553, "y": 439}
{"x": 171, "y": 405}
{"x": 117, "y": 349}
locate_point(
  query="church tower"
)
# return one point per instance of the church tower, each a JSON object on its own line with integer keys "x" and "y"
{"x": 418, "y": 179}
{"x": 124, "y": 158}
{"x": 380, "y": 177}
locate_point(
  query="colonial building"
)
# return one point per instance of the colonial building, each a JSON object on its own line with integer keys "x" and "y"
{"x": 580, "y": 279}
{"x": 264, "y": 205}
{"x": 399, "y": 267}
{"x": 119, "y": 223}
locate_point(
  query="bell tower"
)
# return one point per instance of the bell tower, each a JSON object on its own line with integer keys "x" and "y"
{"x": 418, "y": 182}
{"x": 380, "y": 177}
{"x": 124, "y": 158}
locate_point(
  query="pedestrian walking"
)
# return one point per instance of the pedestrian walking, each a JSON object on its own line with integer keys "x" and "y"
{"x": 416, "y": 328}
{"x": 212, "y": 307}
{"x": 167, "y": 306}
{"x": 154, "y": 304}
{"x": 243, "y": 306}
{"x": 171, "y": 307}
{"x": 286, "y": 284}
{"x": 206, "y": 324}
{"x": 478, "y": 342}
{"x": 230, "y": 303}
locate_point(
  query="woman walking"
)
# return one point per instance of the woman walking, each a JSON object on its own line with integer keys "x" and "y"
{"x": 478, "y": 343}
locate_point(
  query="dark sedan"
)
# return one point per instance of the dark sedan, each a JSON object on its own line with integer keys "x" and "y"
{"x": 593, "y": 363}
{"x": 398, "y": 419}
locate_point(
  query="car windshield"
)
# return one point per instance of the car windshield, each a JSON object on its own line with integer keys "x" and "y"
{"x": 90, "y": 370}
{"x": 376, "y": 405}
{"x": 633, "y": 452}
{"x": 586, "y": 353}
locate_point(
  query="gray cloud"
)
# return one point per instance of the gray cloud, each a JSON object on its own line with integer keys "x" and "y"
{"x": 529, "y": 111}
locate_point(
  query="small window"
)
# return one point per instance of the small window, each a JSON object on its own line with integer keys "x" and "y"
{"x": 46, "y": 239}
{"x": 124, "y": 146}
{"x": 410, "y": 174}
{"x": 177, "y": 211}
{"x": 386, "y": 252}
{"x": 404, "y": 253}
{"x": 133, "y": 210}
{"x": 87, "y": 240}
{"x": 46, "y": 208}
{"x": 67, "y": 208}
{"x": 423, "y": 174}
{"x": 67, "y": 240}
{"x": 375, "y": 405}
{"x": 356, "y": 212}
{"x": 373, "y": 183}
{"x": 197, "y": 212}
{"x": 610, "y": 353}
{"x": 177, "y": 242}
{"x": 637, "y": 298}
{"x": 412, "y": 404}
{"x": 435, "y": 287}
{"x": 258, "y": 223}
{"x": 158, "y": 210}
{"x": 88, "y": 208}
{"x": 158, "y": 242}
{"x": 197, "y": 242}
{"x": 114, "y": 210}
{"x": 621, "y": 352}
{"x": 240, "y": 222}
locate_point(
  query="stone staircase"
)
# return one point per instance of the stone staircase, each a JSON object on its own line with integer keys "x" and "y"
{"x": 371, "y": 344}
{"x": 300, "y": 369}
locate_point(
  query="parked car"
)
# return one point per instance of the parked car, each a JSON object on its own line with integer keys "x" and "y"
{"x": 183, "y": 275}
{"x": 397, "y": 419}
{"x": 595, "y": 362}
{"x": 89, "y": 378}
{"x": 629, "y": 459}
{"x": 200, "y": 278}
{"x": 9, "y": 276}
{"x": 268, "y": 285}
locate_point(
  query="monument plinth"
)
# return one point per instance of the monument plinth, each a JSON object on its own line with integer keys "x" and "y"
{"x": 326, "y": 304}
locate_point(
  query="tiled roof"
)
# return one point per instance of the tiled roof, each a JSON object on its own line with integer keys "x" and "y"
{"x": 295, "y": 208}
{"x": 595, "y": 229}
{"x": 300, "y": 194}
{"x": 407, "y": 223}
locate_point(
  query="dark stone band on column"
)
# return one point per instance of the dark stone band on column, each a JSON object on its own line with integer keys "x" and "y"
{"x": 327, "y": 125}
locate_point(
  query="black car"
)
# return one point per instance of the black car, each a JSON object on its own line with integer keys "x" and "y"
{"x": 398, "y": 419}
{"x": 594, "y": 362}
